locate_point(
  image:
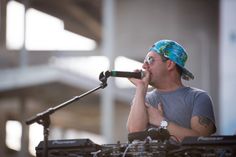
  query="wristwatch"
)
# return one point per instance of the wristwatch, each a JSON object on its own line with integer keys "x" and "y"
{"x": 164, "y": 124}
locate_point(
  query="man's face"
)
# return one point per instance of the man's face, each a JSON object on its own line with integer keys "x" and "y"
{"x": 157, "y": 68}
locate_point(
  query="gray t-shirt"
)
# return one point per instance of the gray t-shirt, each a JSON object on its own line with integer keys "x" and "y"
{"x": 181, "y": 105}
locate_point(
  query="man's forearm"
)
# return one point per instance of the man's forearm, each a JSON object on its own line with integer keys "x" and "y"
{"x": 180, "y": 132}
{"x": 138, "y": 118}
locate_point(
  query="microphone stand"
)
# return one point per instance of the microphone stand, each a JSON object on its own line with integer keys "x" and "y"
{"x": 43, "y": 118}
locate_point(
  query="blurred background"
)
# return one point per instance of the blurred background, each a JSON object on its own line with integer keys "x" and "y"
{"x": 53, "y": 50}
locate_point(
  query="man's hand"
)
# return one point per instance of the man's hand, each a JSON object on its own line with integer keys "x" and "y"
{"x": 143, "y": 82}
{"x": 155, "y": 115}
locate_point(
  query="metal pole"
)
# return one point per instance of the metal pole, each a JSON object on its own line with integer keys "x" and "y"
{"x": 107, "y": 100}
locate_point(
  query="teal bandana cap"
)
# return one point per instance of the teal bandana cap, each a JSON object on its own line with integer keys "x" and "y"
{"x": 175, "y": 52}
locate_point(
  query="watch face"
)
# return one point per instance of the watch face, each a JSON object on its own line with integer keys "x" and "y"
{"x": 164, "y": 123}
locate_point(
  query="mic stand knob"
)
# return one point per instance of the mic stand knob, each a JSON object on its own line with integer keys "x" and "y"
{"x": 103, "y": 78}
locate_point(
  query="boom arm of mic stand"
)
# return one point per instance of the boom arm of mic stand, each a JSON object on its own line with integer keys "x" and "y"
{"x": 43, "y": 118}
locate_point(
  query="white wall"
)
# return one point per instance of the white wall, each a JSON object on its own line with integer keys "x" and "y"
{"x": 228, "y": 66}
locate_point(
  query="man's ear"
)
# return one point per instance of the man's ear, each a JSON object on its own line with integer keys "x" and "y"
{"x": 170, "y": 64}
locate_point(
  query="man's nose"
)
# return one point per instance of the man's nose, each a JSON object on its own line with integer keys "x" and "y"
{"x": 145, "y": 65}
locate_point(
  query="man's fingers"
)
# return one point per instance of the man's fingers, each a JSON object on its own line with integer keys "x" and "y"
{"x": 160, "y": 107}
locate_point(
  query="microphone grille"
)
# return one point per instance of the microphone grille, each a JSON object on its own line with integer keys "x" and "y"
{"x": 142, "y": 74}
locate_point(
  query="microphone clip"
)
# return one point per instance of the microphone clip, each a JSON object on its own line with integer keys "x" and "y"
{"x": 103, "y": 78}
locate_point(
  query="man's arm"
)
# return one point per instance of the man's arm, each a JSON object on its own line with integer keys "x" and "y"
{"x": 200, "y": 126}
{"x": 203, "y": 125}
{"x": 138, "y": 117}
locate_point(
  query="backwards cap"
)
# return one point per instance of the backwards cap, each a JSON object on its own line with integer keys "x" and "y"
{"x": 175, "y": 52}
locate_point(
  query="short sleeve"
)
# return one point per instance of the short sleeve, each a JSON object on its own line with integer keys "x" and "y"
{"x": 203, "y": 106}
{"x": 152, "y": 98}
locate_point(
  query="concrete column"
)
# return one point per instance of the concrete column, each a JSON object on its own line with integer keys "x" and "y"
{"x": 203, "y": 41}
{"x": 23, "y": 52}
{"x": 24, "y": 152}
{"x": 107, "y": 99}
{"x": 227, "y": 67}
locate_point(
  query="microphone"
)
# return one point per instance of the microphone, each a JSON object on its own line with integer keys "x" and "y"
{"x": 113, "y": 73}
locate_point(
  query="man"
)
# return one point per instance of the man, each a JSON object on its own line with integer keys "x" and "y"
{"x": 184, "y": 111}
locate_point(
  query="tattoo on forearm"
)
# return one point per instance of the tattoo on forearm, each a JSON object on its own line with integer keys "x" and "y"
{"x": 204, "y": 121}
